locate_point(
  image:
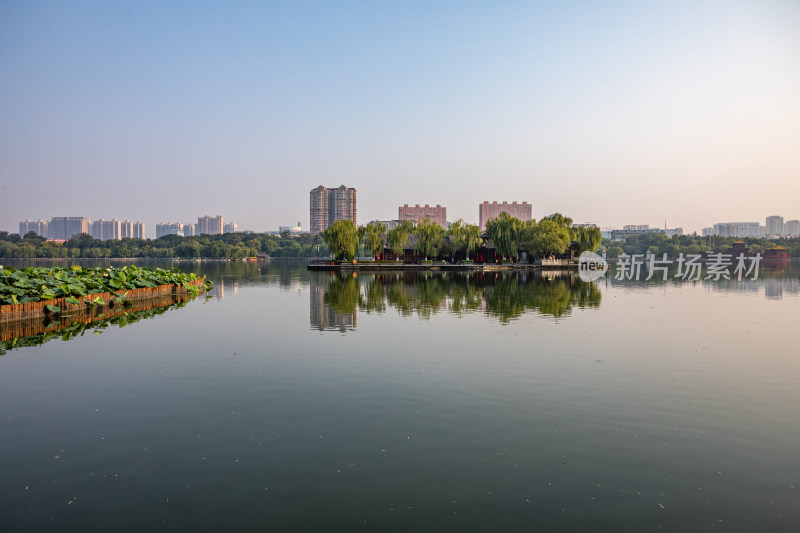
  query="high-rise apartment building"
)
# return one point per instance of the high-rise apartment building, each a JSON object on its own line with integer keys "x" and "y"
{"x": 39, "y": 227}
{"x": 173, "y": 228}
{"x": 488, "y": 211}
{"x": 330, "y": 205}
{"x": 63, "y": 228}
{"x": 792, "y": 227}
{"x": 416, "y": 213}
{"x": 775, "y": 225}
{"x": 131, "y": 230}
{"x": 210, "y": 225}
{"x": 105, "y": 230}
{"x": 230, "y": 227}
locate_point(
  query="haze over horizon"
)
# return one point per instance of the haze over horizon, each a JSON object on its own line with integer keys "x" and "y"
{"x": 620, "y": 113}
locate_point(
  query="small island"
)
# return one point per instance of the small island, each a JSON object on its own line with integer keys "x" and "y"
{"x": 508, "y": 243}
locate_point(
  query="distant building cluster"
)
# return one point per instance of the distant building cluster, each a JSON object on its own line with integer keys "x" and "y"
{"x": 641, "y": 229}
{"x": 774, "y": 227}
{"x": 330, "y": 205}
{"x": 291, "y": 230}
{"x": 64, "y": 228}
{"x": 205, "y": 225}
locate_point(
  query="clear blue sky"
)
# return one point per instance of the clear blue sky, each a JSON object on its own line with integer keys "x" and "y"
{"x": 614, "y": 112}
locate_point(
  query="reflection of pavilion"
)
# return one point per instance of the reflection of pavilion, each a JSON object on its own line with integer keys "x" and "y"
{"x": 322, "y": 316}
{"x": 773, "y": 288}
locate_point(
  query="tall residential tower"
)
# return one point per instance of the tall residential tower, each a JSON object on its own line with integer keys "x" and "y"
{"x": 330, "y": 205}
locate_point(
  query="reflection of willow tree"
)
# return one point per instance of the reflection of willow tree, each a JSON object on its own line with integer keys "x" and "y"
{"x": 431, "y": 293}
{"x": 374, "y": 297}
{"x": 465, "y": 296}
{"x": 506, "y": 296}
{"x": 343, "y": 295}
{"x": 587, "y": 294}
{"x": 398, "y": 297}
{"x": 509, "y": 298}
{"x": 425, "y": 295}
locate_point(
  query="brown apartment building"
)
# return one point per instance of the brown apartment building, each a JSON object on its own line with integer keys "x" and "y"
{"x": 415, "y": 213}
{"x": 488, "y": 211}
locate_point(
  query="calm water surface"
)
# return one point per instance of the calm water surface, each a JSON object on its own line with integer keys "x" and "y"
{"x": 297, "y": 401}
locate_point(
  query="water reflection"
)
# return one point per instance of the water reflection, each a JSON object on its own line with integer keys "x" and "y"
{"x": 775, "y": 280}
{"x": 337, "y": 299}
{"x": 34, "y": 332}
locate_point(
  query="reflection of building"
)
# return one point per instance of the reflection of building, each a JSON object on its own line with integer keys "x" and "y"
{"x": 416, "y": 213}
{"x": 63, "y": 228}
{"x": 322, "y": 317}
{"x": 330, "y": 205}
{"x": 488, "y": 211}
{"x": 773, "y": 288}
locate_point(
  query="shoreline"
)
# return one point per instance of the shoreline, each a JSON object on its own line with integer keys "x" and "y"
{"x": 371, "y": 266}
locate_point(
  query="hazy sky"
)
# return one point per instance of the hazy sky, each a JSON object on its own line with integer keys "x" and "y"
{"x": 611, "y": 112}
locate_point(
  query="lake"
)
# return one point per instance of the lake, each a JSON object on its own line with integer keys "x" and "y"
{"x": 296, "y": 401}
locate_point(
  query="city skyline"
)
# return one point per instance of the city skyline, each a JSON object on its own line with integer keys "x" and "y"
{"x": 774, "y": 224}
{"x": 617, "y": 113}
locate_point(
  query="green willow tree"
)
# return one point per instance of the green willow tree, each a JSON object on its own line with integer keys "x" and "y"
{"x": 397, "y": 238}
{"x": 504, "y": 232}
{"x": 430, "y": 237}
{"x": 547, "y": 237}
{"x": 373, "y": 237}
{"x": 342, "y": 238}
{"x": 464, "y": 237}
{"x": 588, "y": 239}
{"x": 561, "y": 220}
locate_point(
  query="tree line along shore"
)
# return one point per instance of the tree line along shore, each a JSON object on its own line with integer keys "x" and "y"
{"x": 438, "y": 240}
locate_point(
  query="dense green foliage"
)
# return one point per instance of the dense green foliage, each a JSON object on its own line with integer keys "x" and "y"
{"x": 660, "y": 244}
{"x": 588, "y": 239}
{"x": 504, "y": 232}
{"x": 228, "y": 245}
{"x": 342, "y": 238}
{"x": 430, "y": 236}
{"x": 464, "y": 238}
{"x": 397, "y": 238}
{"x": 38, "y": 283}
{"x": 373, "y": 238}
{"x": 545, "y": 237}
